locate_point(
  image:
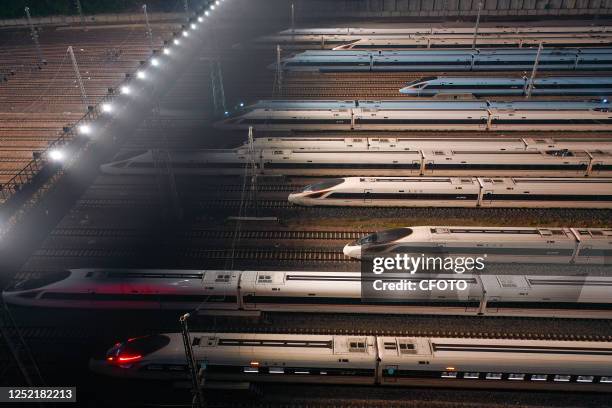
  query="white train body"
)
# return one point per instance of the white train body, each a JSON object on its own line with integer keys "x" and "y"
{"x": 432, "y": 143}
{"x": 592, "y": 246}
{"x": 441, "y": 60}
{"x": 374, "y": 360}
{"x": 457, "y": 192}
{"x": 466, "y": 41}
{"x": 287, "y": 115}
{"x": 319, "y": 162}
{"x": 213, "y": 292}
{"x": 484, "y": 86}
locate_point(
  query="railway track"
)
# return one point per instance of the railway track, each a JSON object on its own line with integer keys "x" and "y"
{"x": 215, "y": 234}
{"x": 301, "y": 255}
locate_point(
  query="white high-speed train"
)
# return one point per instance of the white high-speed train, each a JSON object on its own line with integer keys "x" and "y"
{"x": 431, "y": 143}
{"x": 486, "y": 294}
{"x": 445, "y": 60}
{"x": 421, "y": 115}
{"x": 374, "y": 360}
{"x": 457, "y": 192}
{"x": 484, "y": 86}
{"x": 543, "y": 163}
{"x": 467, "y": 41}
{"x": 582, "y": 246}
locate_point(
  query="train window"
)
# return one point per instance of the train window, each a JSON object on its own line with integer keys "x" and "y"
{"x": 439, "y": 153}
{"x": 390, "y": 346}
{"x": 322, "y": 185}
{"x": 385, "y": 236}
{"x": 33, "y": 283}
{"x": 606, "y": 380}
{"x": 516, "y": 376}
{"x": 407, "y": 347}
{"x": 471, "y": 376}
{"x": 277, "y": 370}
{"x": 222, "y": 278}
{"x": 357, "y": 345}
{"x": 539, "y": 377}
{"x": 585, "y": 379}
{"x": 595, "y": 232}
{"x": 449, "y": 374}
{"x": 494, "y": 376}
{"x": 264, "y": 279}
{"x": 250, "y": 370}
{"x": 562, "y": 378}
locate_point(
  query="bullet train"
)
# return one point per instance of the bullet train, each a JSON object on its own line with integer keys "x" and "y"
{"x": 444, "y": 31}
{"x": 367, "y": 360}
{"x": 215, "y": 291}
{"x": 487, "y": 86}
{"x": 371, "y": 163}
{"x": 282, "y": 115}
{"x": 430, "y": 143}
{"x": 457, "y": 192}
{"x": 582, "y": 246}
{"x": 467, "y": 41}
{"x": 317, "y": 36}
{"x": 490, "y": 59}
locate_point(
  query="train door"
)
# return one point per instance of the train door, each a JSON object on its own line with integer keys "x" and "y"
{"x": 248, "y": 301}
{"x": 367, "y": 196}
{"x": 487, "y": 197}
{"x": 429, "y": 167}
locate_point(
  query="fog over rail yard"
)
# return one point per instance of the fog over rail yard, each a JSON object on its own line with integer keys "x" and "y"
{"x": 307, "y": 203}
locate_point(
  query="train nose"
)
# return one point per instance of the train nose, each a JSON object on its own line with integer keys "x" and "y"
{"x": 352, "y": 251}
{"x": 295, "y": 198}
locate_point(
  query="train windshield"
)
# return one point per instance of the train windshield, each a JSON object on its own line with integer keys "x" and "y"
{"x": 324, "y": 185}
{"x": 34, "y": 283}
{"x": 136, "y": 348}
{"x": 385, "y": 236}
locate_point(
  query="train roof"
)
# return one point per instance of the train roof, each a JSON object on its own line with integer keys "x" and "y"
{"x": 423, "y": 105}
{"x": 463, "y": 80}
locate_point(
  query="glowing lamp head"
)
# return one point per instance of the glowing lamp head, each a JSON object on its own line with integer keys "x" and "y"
{"x": 226, "y": 113}
{"x": 176, "y": 41}
{"x": 207, "y": 13}
{"x": 185, "y": 34}
{"x": 200, "y": 19}
{"x": 212, "y": 7}
{"x": 154, "y": 62}
{"x": 166, "y": 51}
{"x": 605, "y": 101}
{"x": 84, "y": 129}
{"x": 141, "y": 75}
{"x": 193, "y": 26}
{"x": 107, "y": 108}
{"x": 56, "y": 155}
{"x": 125, "y": 90}
{"x": 241, "y": 104}
{"x": 217, "y": 2}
